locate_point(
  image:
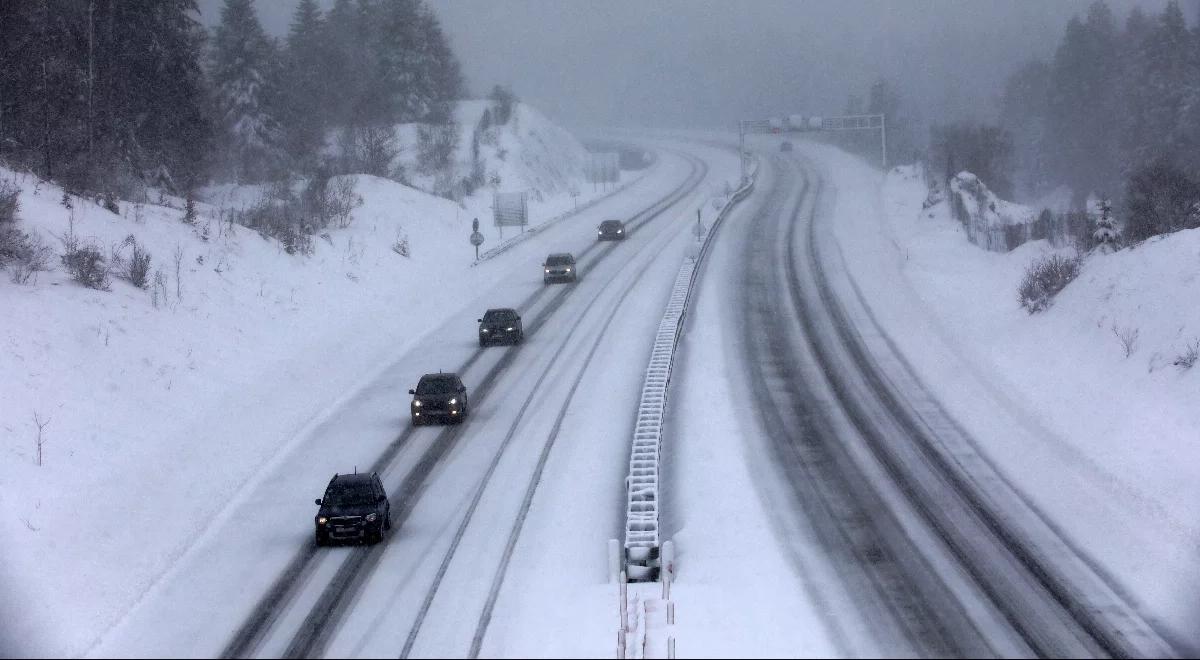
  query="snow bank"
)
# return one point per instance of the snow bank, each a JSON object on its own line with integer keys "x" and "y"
{"x": 1105, "y": 445}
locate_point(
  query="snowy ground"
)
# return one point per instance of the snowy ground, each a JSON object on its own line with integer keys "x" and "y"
{"x": 159, "y": 416}
{"x": 1101, "y": 443}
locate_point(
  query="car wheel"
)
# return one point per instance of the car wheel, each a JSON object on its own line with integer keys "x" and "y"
{"x": 321, "y": 541}
{"x": 416, "y": 421}
{"x": 482, "y": 343}
{"x": 387, "y": 521}
{"x": 381, "y": 533}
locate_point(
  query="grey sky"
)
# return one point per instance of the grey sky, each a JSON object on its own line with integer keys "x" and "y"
{"x": 705, "y": 63}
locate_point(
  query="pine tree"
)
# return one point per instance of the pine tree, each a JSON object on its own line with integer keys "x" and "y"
{"x": 243, "y": 63}
{"x": 347, "y": 37}
{"x": 305, "y": 113}
{"x": 1106, "y": 232}
{"x": 1023, "y": 113}
{"x": 149, "y": 89}
{"x": 1160, "y": 82}
{"x": 1081, "y": 105}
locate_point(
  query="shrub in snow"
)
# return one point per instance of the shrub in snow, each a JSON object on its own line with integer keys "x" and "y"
{"x": 86, "y": 264}
{"x": 400, "y": 247}
{"x": 327, "y": 201}
{"x": 137, "y": 271}
{"x": 109, "y": 201}
{"x": 278, "y": 215}
{"x": 435, "y": 148}
{"x": 370, "y": 150}
{"x": 189, "y": 210}
{"x": 1128, "y": 337}
{"x": 22, "y": 254}
{"x": 1187, "y": 359}
{"x": 27, "y": 255}
{"x": 1044, "y": 279}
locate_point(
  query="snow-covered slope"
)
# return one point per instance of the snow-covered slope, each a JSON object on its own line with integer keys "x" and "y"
{"x": 528, "y": 153}
{"x": 161, "y": 402}
{"x": 1103, "y": 443}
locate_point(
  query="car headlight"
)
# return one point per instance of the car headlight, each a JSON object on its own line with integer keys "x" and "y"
{"x": 620, "y": 231}
{"x": 416, "y": 404}
{"x": 484, "y": 331}
{"x": 453, "y": 402}
{"x": 547, "y": 270}
{"x": 568, "y": 270}
{"x": 372, "y": 517}
{"x": 322, "y": 520}
{"x": 510, "y": 329}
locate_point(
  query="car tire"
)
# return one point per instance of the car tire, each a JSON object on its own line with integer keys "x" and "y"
{"x": 321, "y": 541}
{"x": 416, "y": 421}
{"x": 387, "y": 521}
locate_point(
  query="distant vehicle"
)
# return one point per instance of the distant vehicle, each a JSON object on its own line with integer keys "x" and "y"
{"x": 560, "y": 267}
{"x": 776, "y": 124}
{"x": 611, "y": 230}
{"x": 439, "y": 396}
{"x": 355, "y": 508}
{"x": 785, "y": 146}
{"x": 500, "y": 326}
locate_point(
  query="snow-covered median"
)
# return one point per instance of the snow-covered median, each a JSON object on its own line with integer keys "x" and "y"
{"x": 1103, "y": 443}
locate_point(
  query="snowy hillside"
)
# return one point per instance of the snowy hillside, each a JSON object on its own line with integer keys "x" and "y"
{"x": 213, "y": 349}
{"x": 1104, "y": 442}
{"x": 528, "y": 153}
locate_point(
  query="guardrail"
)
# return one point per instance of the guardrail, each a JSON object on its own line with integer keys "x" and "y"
{"x": 642, "y": 541}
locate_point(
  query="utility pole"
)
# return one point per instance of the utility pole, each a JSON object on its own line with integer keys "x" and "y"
{"x": 883, "y": 141}
{"x": 742, "y": 149}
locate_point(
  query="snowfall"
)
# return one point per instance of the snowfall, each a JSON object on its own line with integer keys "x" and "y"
{"x": 165, "y": 412}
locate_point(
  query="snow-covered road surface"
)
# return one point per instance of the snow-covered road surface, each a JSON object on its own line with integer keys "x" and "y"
{"x": 897, "y": 548}
{"x": 520, "y": 398}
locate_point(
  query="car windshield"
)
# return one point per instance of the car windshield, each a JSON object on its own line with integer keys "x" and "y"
{"x": 437, "y": 386}
{"x": 350, "y": 493}
{"x": 558, "y": 260}
{"x": 611, "y": 224}
{"x": 499, "y": 316}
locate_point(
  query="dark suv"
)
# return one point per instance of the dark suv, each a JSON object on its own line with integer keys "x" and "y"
{"x": 500, "y": 326}
{"x": 355, "y": 508}
{"x": 611, "y": 230}
{"x": 559, "y": 267}
{"x": 439, "y": 396}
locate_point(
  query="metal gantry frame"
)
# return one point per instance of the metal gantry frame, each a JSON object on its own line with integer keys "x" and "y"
{"x": 814, "y": 125}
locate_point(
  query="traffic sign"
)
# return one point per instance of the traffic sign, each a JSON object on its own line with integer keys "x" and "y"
{"x": 476, "y": 238}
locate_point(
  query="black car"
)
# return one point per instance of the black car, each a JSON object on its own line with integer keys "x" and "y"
{"x": 355, "y": 508}
{"x": 560, "y": 267}
{"x": 786, "y": 146}
{"x": 439, "y": 396}
{"x": 611, "y": 230}
{"x": 500, "y": 326}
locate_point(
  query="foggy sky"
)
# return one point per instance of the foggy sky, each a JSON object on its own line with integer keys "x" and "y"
{"x": 708, "y": 63}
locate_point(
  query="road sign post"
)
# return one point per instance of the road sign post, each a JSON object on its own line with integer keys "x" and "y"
{"x": 476, "y": 237}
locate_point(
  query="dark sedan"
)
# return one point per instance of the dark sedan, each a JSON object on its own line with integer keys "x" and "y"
{"x": 560, "y": 267}
{"x": 439, "y": 396}
{"x": 355, "y": 508}
{"x": 611, "y": 230}
{"x": 500, "y": 326}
